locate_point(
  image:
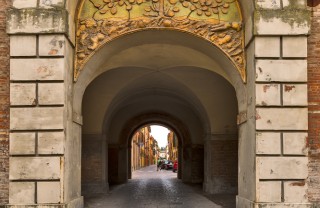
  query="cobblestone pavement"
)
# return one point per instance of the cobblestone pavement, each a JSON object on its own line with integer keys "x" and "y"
{"x": 157, "y": 189}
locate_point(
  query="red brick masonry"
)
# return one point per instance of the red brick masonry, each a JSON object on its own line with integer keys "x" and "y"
{"x": 314, "y": 103}
{"x": 4, "y": 104}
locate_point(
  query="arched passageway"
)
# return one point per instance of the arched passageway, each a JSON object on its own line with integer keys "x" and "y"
{"x": 168, "y": 81}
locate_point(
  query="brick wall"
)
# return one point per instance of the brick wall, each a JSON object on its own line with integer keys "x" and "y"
{"x": 314, "y": 103}
{"x": 225, "y": 165}
{"x": 91, "y": 160}
{"x": 4, "y": 104}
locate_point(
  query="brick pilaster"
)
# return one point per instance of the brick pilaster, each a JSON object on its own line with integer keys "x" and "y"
{"x": 314, "y": 103}
{"x": 4, "y": 104}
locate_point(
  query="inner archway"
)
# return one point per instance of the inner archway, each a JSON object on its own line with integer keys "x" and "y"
{"x": 154, "y": 145}
{"x": 184, "y": 143}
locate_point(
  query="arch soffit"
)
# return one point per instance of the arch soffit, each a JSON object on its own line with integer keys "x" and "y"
{"x": 216, "y": 21}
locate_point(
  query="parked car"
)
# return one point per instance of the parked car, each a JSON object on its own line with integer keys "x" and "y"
{"x": 175, "y": 166}
{"x": 167, "y": 165}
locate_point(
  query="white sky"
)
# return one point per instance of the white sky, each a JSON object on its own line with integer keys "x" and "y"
{"x": 160, "y": 134}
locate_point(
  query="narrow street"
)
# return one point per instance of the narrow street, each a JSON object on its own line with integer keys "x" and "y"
{"x": 157, "y": 189}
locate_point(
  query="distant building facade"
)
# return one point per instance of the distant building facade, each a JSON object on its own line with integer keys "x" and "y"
{"x": 144, "y": 149}
{"x": 172, "y": 146}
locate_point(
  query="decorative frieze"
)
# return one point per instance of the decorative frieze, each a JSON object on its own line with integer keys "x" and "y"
{"x": 217, "y": 21}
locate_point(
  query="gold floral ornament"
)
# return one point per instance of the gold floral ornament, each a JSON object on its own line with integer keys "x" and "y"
{"x": 217, "y": 21}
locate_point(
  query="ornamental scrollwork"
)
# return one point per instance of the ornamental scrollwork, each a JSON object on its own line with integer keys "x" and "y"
{"x": 217, "y": 21}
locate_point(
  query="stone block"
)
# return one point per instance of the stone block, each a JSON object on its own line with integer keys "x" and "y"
{"x": 51, "y": 3}
{"x": 281, "y": 118}
{"x": 23, "y": 45}
{"x": 295, "y": 143}
{"x": 282, "y": 167}
{"x": 294, "y": 47}
{"x": 269, "y": 191}
{"x": 268, "y": 143}
{"x": 296, "y": 4}
{"x": 37, "y": 20}
{"x": 268, "y": 94}
{"x": 281, "y": 70}
{"x": 51, "y": 93}
{"x": 248, "y": 31}
{"x": 23, "y": 94}
{"x": 295, "y": 94}
{"x": 51, "y": 45}
{"x": 21, "y": 192}
{"x": 48, "y": 192}
{"x": 34, "y": 168}
{"x": 36, "y": 118}
{"x": 267, "y": 4}
{"x": 20, "y": 4}
{"x": 36, "y": 69}
{"x": 22, "y": 143}
{"x": 279, "y": 22}
{"x": 267, "y": 46}
{"x": 51, "y": 142}
{"x": 295, "y": 191}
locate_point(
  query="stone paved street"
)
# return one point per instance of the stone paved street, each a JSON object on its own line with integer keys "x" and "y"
{"x": 162, "y": 189}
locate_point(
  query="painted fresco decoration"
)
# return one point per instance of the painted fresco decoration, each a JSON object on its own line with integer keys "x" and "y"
{"x": 217, "y": 21}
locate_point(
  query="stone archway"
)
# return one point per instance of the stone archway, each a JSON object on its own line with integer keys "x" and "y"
{"x": 160, "y": 118}
{"x": 56, "y": 114}
{"x": 219, "y": 23}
